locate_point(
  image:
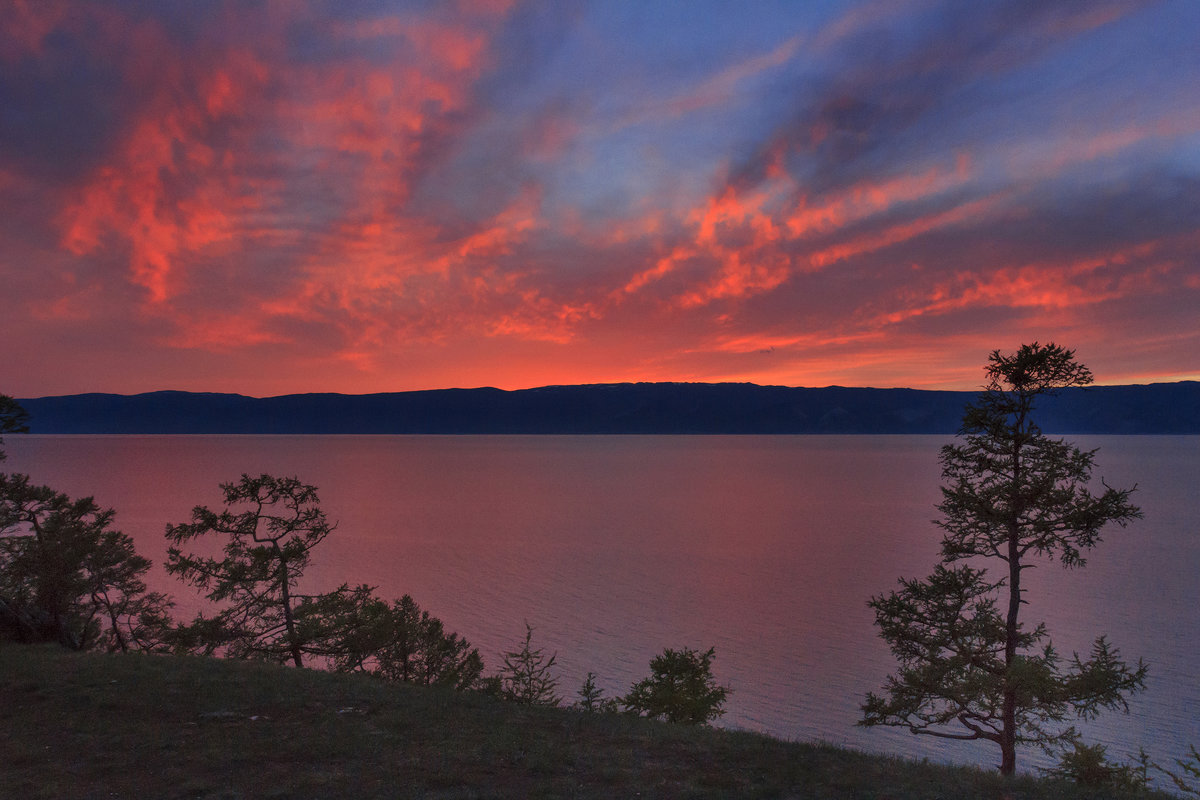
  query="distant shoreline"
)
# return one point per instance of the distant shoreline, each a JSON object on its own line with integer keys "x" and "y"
{"x": 631, "y": 408}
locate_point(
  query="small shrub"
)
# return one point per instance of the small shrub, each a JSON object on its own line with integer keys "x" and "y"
{"x": 592, "y": 699}
{"x": 526, "y": 676}
{"x": 1088, "y": 765}
{"x": 681, "y": 689}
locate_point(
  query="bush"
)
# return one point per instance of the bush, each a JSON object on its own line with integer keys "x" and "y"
{"x": 1088, "y": 765}
{"x": 404, "y": 643}
{"x": 592, "y": 699}
{"x": 681, "y": 689}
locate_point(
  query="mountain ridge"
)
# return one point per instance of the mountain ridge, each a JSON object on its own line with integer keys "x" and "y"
{"x": 617, "y": 408}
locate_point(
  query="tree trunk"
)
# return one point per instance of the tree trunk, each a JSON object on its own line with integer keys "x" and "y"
{"x": 1008, "y": 752}
{"x": 115, "y": 621}
{"x": 288, "y": 620}
{"x": 1008, "y": 732}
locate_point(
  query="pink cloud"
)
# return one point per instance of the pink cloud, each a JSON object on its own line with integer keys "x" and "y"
{"x": 27, "y": 23}
{"x": 1048, "y": 287}
{"x": 167, "y": 192}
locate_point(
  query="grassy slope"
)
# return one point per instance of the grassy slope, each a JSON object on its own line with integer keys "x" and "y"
{"x": 94, "y": 726}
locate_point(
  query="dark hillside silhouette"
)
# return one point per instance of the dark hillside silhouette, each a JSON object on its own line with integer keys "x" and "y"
{"x": 627, "y": 408}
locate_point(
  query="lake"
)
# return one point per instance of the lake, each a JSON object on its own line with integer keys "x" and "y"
{"x": 615, "y": 547}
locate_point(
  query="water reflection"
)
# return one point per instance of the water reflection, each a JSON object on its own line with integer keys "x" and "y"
{"x": 615, "y": 547}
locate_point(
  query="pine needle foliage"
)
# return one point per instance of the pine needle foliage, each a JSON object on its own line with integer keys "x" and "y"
{"x": 1186, "y": 774}
{"x": 527, "y": 676}
{"x": 270, "y": 527}
{"x": 67, "y": 575}
{"x": 13, "y": 419}
{"x": 592, "y": 699}
{"x": 969, "y": 667}
{"x": 681, "y": 688}
{"x": 404, "y": 643}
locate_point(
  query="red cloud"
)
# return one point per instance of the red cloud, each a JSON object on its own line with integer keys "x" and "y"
{"x": 1044, "y": 286}
{"x": 167, "y": 192}
{"x": 177, "y": 189}
{"x": 757, "y": 242}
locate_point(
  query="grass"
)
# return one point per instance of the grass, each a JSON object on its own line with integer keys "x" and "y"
{"x": 84, "y": 726}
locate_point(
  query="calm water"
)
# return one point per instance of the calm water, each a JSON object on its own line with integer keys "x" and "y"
{"x": 616, "y": 547}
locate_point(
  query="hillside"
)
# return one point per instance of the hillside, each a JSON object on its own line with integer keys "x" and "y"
{"x": 642, "y": 408}
{"x": 95, "y": 726}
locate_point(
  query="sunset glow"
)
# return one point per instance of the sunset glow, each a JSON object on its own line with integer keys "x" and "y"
{"x": 294, "y": 196}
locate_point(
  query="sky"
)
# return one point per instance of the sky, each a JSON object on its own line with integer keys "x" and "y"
{"x": 279, "y": 196}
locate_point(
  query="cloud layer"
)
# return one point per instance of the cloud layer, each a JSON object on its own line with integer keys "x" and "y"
{"x": 372, "y": 196}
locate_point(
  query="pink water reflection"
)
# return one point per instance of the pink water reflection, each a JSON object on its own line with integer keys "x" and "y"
{"x": 615, "y": 547}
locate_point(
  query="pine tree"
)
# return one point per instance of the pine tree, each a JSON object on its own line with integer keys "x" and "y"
{"x": 267, "y": 548}
{"x": 66, "y": 575}
{"x": 13, "y": 419}
{"x": 404, "y": 643}
{"x": 592, "y": 699}
{"x": 680, "y": 689}
{"x": 969, "y": 668}
{"x": 526, "y": 677}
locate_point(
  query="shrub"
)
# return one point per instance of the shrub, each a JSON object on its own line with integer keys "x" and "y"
{"x": 526, "y": 676}
{"x": 592, "y": 699}
{"x": 681, "y": 689}
{"x": 1088, "y": 765}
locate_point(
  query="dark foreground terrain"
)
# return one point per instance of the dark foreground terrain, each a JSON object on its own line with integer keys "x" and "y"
{"x": 103, "y": 726}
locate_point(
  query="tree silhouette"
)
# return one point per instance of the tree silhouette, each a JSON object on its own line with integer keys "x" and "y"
{"x": 13, "y": 419}
{"x": 266, "y": 551}
{"x": 969, "y": 669}
{"x": 401, "y": 642}
{"x": 526, "y": 676}
{"x": 67, "y": 576}
{"x": 1187, "y": 779}
{"x": 681, "y": 688}
{"x": 592, "y": 699}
